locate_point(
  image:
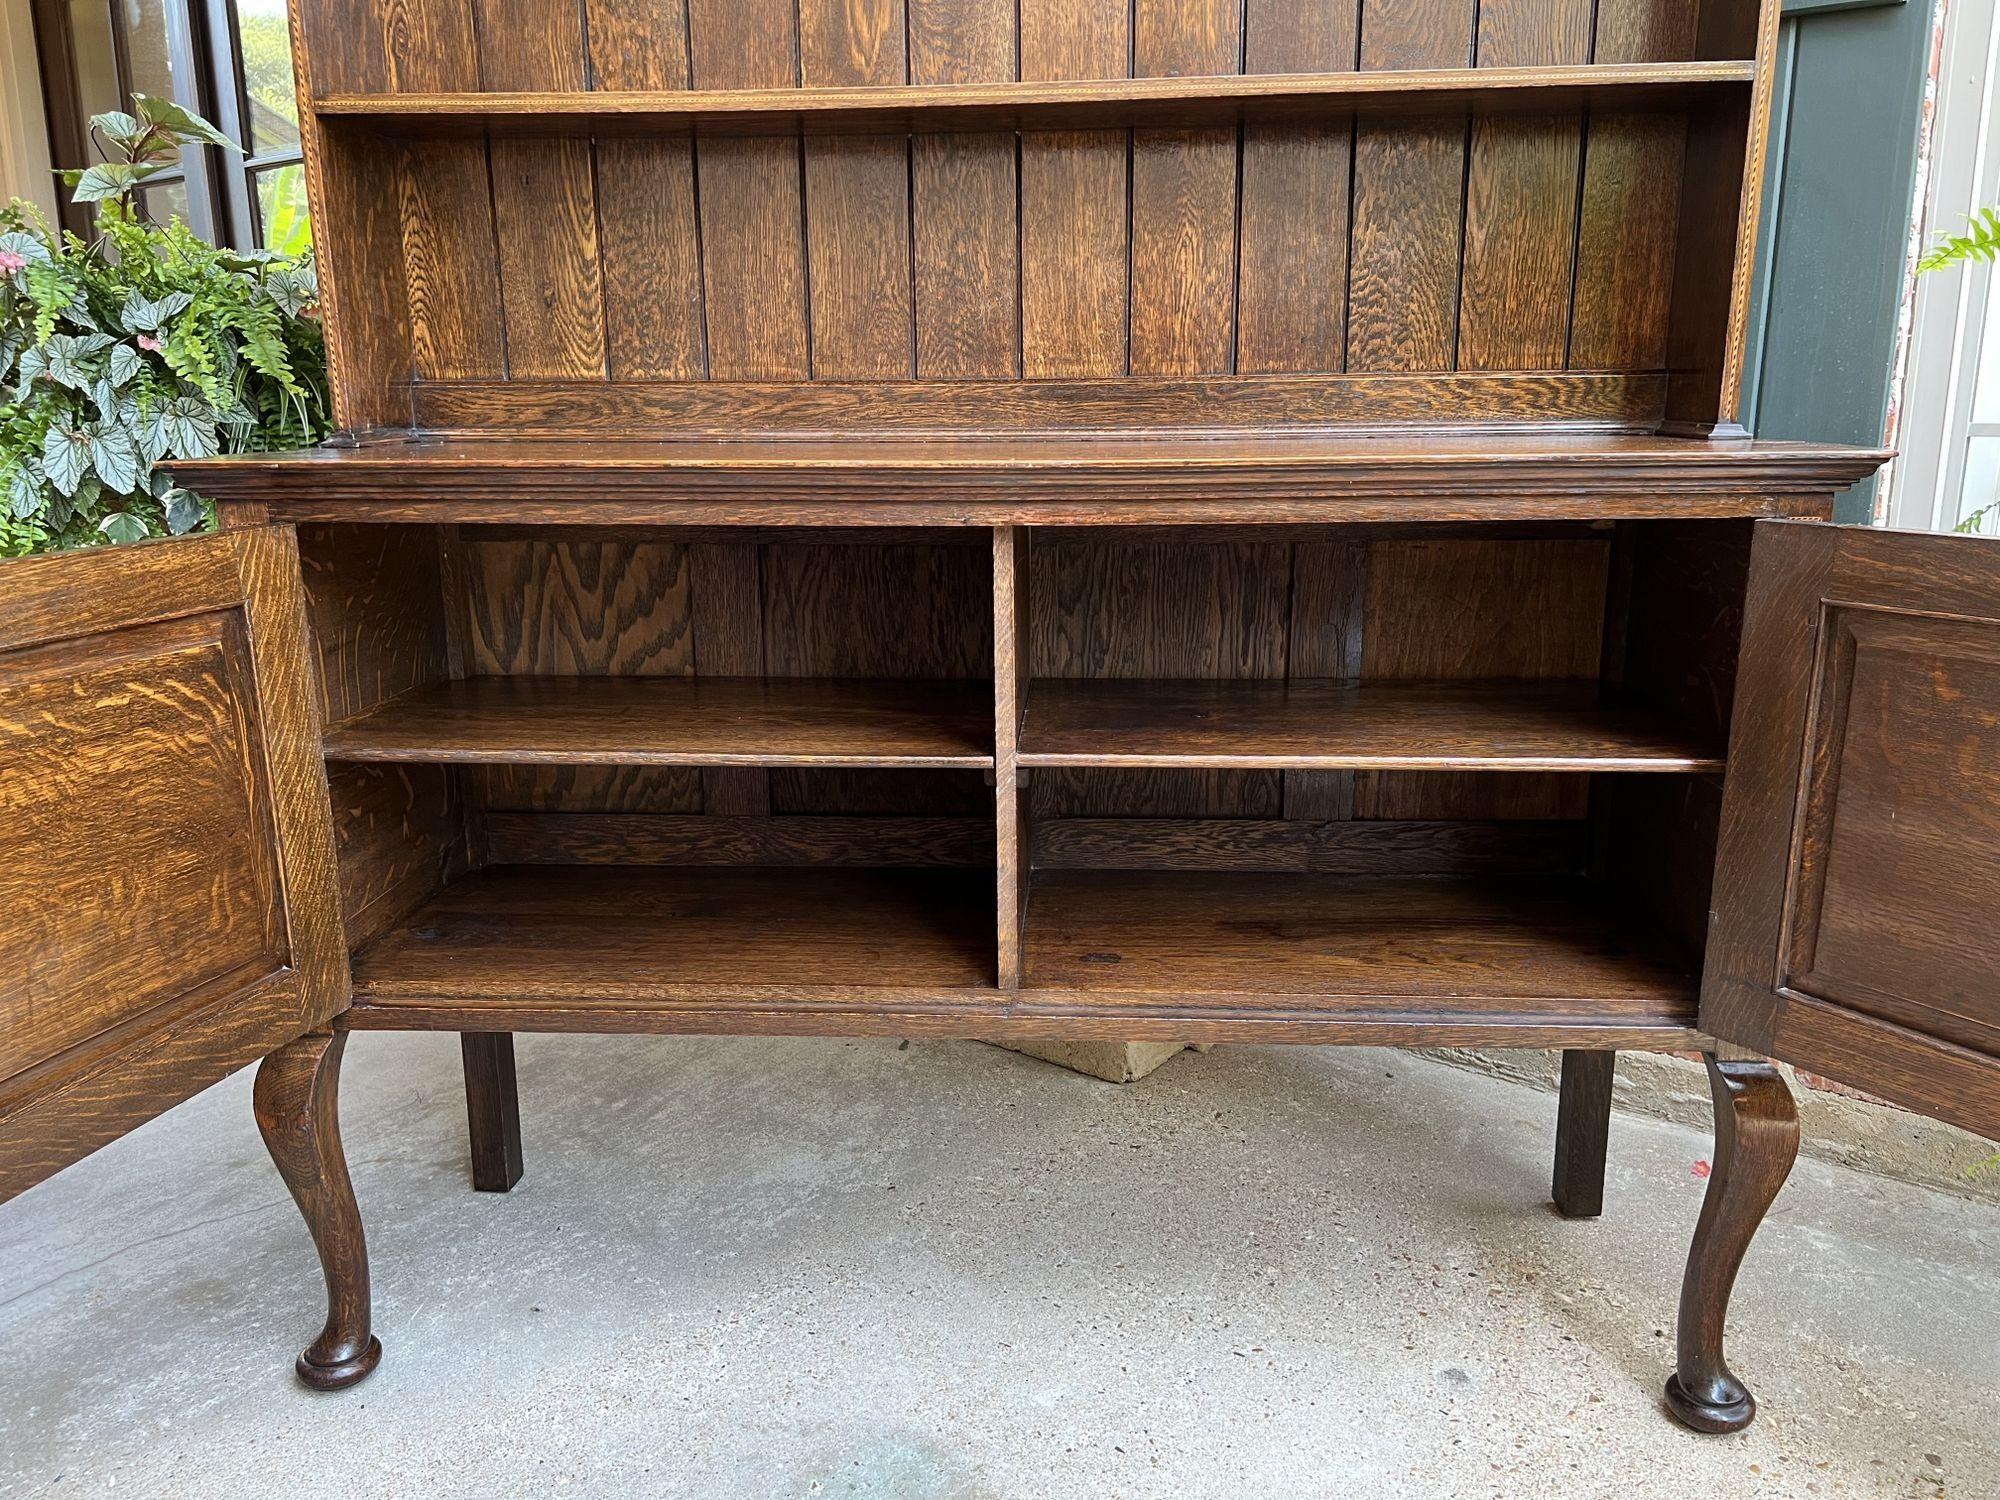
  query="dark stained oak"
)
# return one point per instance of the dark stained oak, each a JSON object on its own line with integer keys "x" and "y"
{"x": 166, "y": 839}
{"x": 521, "y": 934}
{"x": 1536, "y": 946}
{"x": 1196, "y": 520}
{"x": 1756, "y": 1141}
{"x": 297, "y": 1102}
{"x": 1429, "y": 476}
{"x": 1321, "y": 724}
{"x": 610, "y": 838}
{"x": 1583, "y": 1132}
{"x": 1844, "y": 876}
{"x": 677, "y": 721}
{"x": 1043, "y": 105}
{"x": 1074, "y": 385}
{"x": 493, "y": 1110}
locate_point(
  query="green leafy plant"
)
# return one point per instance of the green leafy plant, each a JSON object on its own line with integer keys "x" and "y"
{"x": 140, "y": 344}
{"x": 1981, "y": 241}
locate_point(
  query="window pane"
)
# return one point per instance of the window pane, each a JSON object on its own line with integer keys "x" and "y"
{"x": 96, "y": 58}
{"x": 267, "y": 75}
{"x": 281, "y": 209}
{"x": 149, "y": 64}
{"x": 165, "y": 201}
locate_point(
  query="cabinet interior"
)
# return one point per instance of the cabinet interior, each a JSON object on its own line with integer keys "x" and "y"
{"x": 1473, "y": 765}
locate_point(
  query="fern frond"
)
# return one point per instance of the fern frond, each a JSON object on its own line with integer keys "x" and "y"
{"x": 1980, "y": 242}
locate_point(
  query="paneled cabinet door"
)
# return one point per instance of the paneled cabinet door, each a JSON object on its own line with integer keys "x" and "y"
{"x": 1858, "y": 879}
{"x": 167, "y": 907}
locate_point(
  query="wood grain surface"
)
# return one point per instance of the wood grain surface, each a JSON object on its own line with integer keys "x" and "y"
{"x": 1308, "y": 723}
{"x": 678, "y": 721}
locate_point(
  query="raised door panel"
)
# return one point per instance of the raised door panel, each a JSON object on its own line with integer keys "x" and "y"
{"x": 1860, "y": 851}
{"x": 166, "y": 851}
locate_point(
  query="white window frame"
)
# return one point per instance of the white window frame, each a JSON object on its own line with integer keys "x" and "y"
{"x": 1950, "y": 324}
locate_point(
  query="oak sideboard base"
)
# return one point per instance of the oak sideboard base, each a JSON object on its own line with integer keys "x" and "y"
{"x": 297, "y": 1099}
{"x": 1756, "y": 1141}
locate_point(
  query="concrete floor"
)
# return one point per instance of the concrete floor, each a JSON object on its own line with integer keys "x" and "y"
{"x": 800, "y": 1268}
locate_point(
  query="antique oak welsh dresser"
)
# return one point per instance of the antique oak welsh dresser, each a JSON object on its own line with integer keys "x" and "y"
{"x": 1204, "y": 519}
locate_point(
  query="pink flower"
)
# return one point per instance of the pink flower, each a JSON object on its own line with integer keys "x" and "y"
{"x": 11, "y": 261}
{"x": 1699, "y": 1170}
{"x": 147, "y": 341}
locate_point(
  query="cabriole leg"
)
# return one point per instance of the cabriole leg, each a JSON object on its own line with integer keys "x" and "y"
{"x": 298, "y": 1110}
{"x": 492, "y": 1109}
{"x": 1583, "y": 1131}
{"x": 1756, "y": 1141}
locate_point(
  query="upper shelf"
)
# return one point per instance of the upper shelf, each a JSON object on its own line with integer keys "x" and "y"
{"x": 1109, "y": 102}
{"x": 1164, "y": 477}
{"x": 677, "y": 721}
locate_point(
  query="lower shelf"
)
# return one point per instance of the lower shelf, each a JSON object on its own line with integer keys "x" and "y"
{"x": 1521, "y": 946}
{"x": 1184, "y": 955}
{"x": 529, "y": 933}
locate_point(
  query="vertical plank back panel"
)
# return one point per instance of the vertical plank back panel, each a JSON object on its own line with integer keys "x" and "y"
{"x": 907, "y": 609}
{"x": 653, "y": 312}
{"x": 1521, "y": 198}
{"x": 1467, "y": 609}
{"x": 569, "y": 607}
{"x": 857, "y": 199}
{"x": 1409, "y": 178}
{"x": 1292, "y": 277}
{"x": 752, "y": 198}
{"x": 1631, "y": 200}
{"x": 1184, "y": 200}
{"x": 1075, "y": 219}
{"x": 963, "y": 207}
{"x": 544, "y": 198}
{"x": 389, "y": 46}
{"x": 531, "y": 44}
{"x": 449, "y": 267}
{"x": 1106, "y": 607}
{"x": 636, "y": 44}
{"x": 551, "y": 284}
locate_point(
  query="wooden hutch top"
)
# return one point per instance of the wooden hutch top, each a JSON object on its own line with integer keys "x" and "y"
{"x": 1080, "y": 259}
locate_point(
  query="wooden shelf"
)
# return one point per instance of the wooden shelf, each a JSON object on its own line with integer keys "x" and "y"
{"x": 1041, "y": 480}
{"x": 1310, "y": 724}
{"x": 526, "y": 935}
{"x": 1524, "y": 960}
{"x": 997, "y": 106}
{"x": 1510, "y": 950}
{"x": 678, "y": 721}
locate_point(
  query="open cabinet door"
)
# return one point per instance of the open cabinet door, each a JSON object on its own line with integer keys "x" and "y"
{"x": 167, "y": 903}
{"x": 1858, "y": 876}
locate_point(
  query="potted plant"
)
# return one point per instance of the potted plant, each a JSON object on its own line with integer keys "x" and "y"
{"x": 139, "y": 344}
